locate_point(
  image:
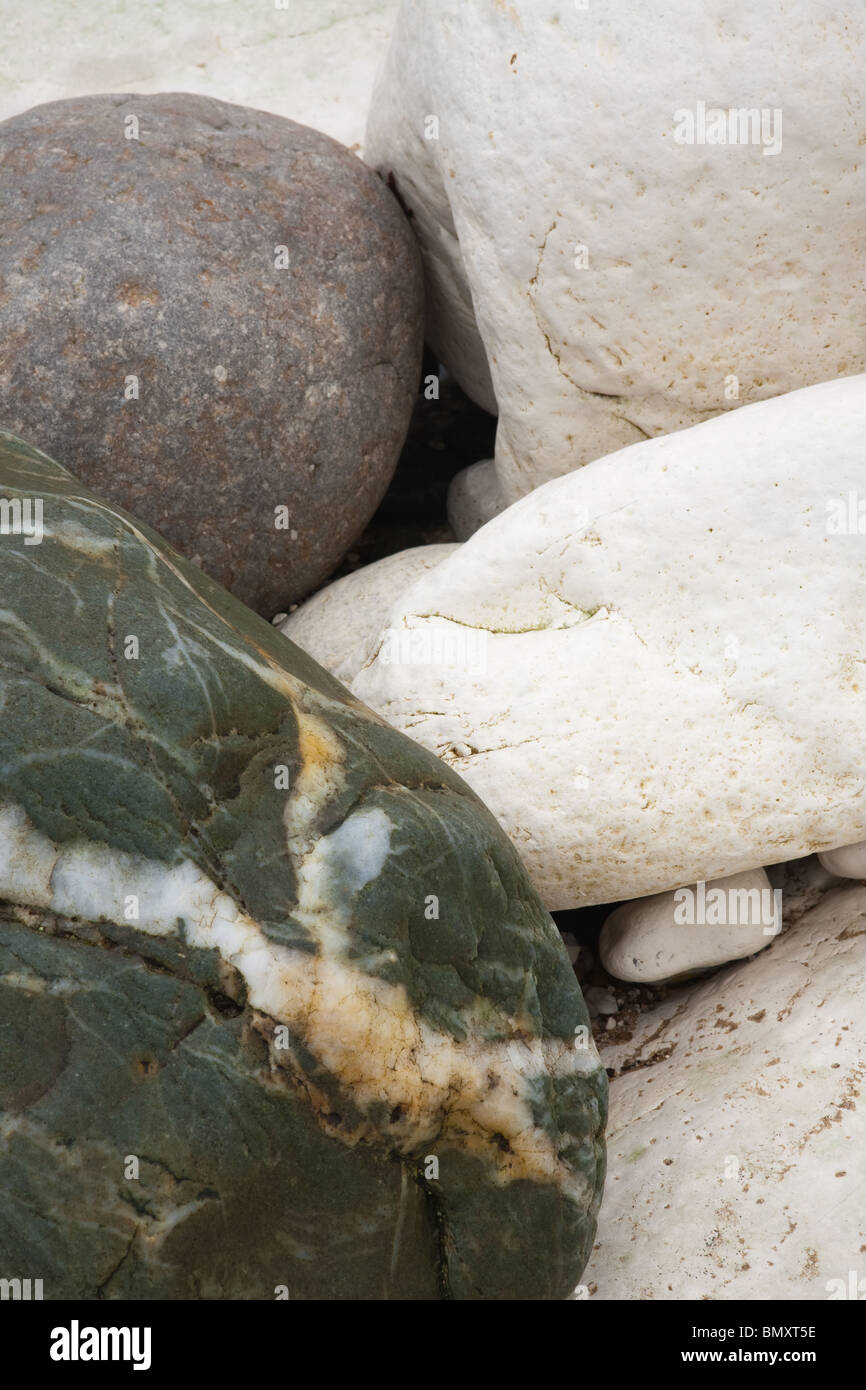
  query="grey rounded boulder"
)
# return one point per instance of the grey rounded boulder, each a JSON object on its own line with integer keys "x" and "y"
{"x": 214, "y": 316}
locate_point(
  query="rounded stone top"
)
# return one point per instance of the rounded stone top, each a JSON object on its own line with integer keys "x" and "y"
{"x": 213, "y": 315}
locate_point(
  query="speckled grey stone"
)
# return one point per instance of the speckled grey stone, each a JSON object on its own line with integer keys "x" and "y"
{"x": 260, "y": 384}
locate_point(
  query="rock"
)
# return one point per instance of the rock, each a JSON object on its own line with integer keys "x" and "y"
{"x": 601, "y": 1001}
{"x": 311, "y": 60}
{"x": 279, "y": 1008}
{"x": 735, "y": 1141}
{"x": 847, "y": 862}
{"x": 591, "y": 271}
{"x": 649, "y": 668}
{"x": 707, "y": 924}
{"x": 803, "y": 883}
{"x": 248, "y": 400}
{"x": 474, "y": 498}
{"x": 341, "y": 626}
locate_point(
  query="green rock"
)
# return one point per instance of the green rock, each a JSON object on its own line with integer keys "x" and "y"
{"x": 280, "y": 1012}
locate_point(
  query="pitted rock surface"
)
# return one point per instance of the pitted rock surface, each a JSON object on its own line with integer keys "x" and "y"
{"x": 736, "y": 1136}
{"x": 600, "y": 267}
{"x": 265, "y": 378}
{"x": 649, "y": 668}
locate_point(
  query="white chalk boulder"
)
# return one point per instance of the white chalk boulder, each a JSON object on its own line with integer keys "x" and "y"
{"x": 314, "y": 61}
{"x": 652, "y": 670}
{"x": 341, "y": 625}
{"x": 695, "y": 928}
{"x": 632, "y": 219}
{"x": 735, "y": 1141}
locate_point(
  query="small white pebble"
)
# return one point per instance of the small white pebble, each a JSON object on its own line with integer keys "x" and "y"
{"x": 848, "y": 861}
{"x": 601, "y": 1001}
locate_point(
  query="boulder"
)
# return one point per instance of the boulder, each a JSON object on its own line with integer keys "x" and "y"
{"x": 736, "y": 1137}
{"x": 280, "y": 1013}
{"x": 341, "y": 626}
{"x": 631, "y": 221}
{"x": 650, "y": 670}
{"x": 212, "y": 315}
{"x": 311, "y": 60}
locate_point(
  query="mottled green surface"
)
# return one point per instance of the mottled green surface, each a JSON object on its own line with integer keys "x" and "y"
{"x": 125, "y": 1060}
{"x": 258, "y": 1167}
